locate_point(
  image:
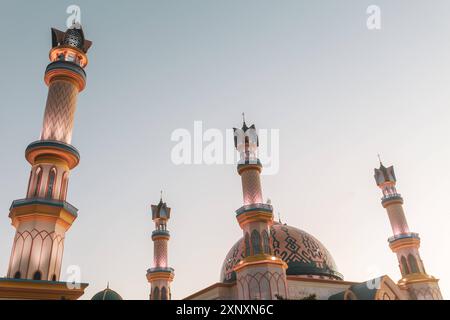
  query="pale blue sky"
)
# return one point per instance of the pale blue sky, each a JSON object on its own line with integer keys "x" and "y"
{"x": 338, "y": 93}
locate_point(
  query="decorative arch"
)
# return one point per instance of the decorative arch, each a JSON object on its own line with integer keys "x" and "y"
{"x": 64, "y": 186}
{"x": 388, "y": 290}
{"x": 37, "y": 186}
{"x": 37, "y": 275}
{"x": 156, "y": 294}
{"x": 247, "y": 245}
{"x": 37, "y": 242}
{"x": 17, "y": 275}
{"x": 266, "y": 243}
{"x": 349, "y": 295}
{"x": 164, "y": 293}
{"x": 51, "y": 183}
{"x": 256, "y": 242}
{"x": 29, "y": 183}
{"x": 262, "y": 285}
{"x": 413, "y": 264}
{"x": 404, "y": 264}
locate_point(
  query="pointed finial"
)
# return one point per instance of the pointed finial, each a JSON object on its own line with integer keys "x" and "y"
{"x": 161, "y": 196}
{"x": 243, "y": 117}
{"x": 107, "y": 285}
{"x": 379, "y": 159}
{"x": 279, "y": 217}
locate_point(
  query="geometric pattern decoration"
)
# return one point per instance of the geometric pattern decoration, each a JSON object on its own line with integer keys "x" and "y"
{"x": 60, "y": 111}
{"x": 260, "y": 285}
{"x": 425, "y": 293}
{"x": 303, "y": 253}
{"x": 251, "y": 185}
{"x": 37, "y": 251}
{"x": 160, "y": 254}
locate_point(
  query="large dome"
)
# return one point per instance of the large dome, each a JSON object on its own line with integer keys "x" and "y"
{"x": 303, "y": 253}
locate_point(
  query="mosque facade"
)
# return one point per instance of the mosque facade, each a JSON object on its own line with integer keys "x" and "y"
{"x": 271, "y": 260}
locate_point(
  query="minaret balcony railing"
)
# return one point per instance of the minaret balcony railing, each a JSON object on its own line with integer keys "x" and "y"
{"x": 66, "y": 151}
{"x": 155, "y": 270}
{"x": 68, "y": 65}
{"x": 160, "y": 233}
{"x": 389, "y": 197}
{"x": 55, "y": 144}
{"x": 247, "y": 161}
{"x": 253, "y": 207}
{"x": 404, "y": 236}
{"x": 49, "y": 202}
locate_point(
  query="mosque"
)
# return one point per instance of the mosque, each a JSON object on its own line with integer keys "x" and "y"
{"x": 271, "y": 261}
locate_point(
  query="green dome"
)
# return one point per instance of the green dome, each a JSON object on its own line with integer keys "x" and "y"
{"x": 107, "y": 294}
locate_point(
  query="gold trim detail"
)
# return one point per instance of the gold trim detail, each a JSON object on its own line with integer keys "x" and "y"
{"x": 404, "y": 243}
{"x": 41, "y": 212}
{"x": 167, "y": 276}
{"x": 254, "y": 216}
{"x": 36, "y": 290}
{"x": 260, "y": 259}
{"x": 416, "y": 278}
{"x": 39, "y": 153}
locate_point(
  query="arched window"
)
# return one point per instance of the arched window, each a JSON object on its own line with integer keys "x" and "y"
{"x": 38, "y": 182}
{"x": 54, "y": 277}
{"x": 37, "y": 275}
{"x": 156, "y": 294}
{"x": 266, "y": 243}
{"x": 64, "y": 184}
{"x": 247, "y": 245}
{"x": 51, "y": 183}
{"x": 405, "y": 269}
{"x": 17, "y": 275}
{"x": 256, "y": 242}
{"x": 29, "y": 184}
{"x": 413, "y": 264}
{"x": 163, "y": 293}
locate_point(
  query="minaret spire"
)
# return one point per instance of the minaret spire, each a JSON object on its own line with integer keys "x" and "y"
{"x": 404, "y": 243}
{"x": 160, "y": 276}
{"x": 255, "y": 219}
{"x": 45, "y": 214}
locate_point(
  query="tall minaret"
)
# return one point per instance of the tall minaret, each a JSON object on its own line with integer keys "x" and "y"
{"x": 419, "y": 285}
{"x": 160, "y": 276}
{"x": 260, "y": 275}
{"x": 43, "y": 217}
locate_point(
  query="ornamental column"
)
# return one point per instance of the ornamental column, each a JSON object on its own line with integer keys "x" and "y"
{"x": 404, "y": 243}
{"x": 43, "y": 217}
{"x": 260, "y": 275}
{"x": 160, "y": 276}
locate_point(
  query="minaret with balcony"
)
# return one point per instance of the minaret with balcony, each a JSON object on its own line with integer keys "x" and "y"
{"x": 42, "y": 219}
{"x": 404, "y": 243}
{"x": 160, "y": 276}
{"x": 260, "y": 275}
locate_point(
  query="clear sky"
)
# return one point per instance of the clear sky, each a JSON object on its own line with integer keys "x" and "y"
{"x": 338, "y": 92}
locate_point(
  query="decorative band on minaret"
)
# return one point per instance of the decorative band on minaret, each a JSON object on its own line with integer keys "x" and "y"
{"x": 405, "y": 244}
{"x": 260, "y": 275}
{"x": 43, "y": 217}
{"x": 160, "y": 276}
